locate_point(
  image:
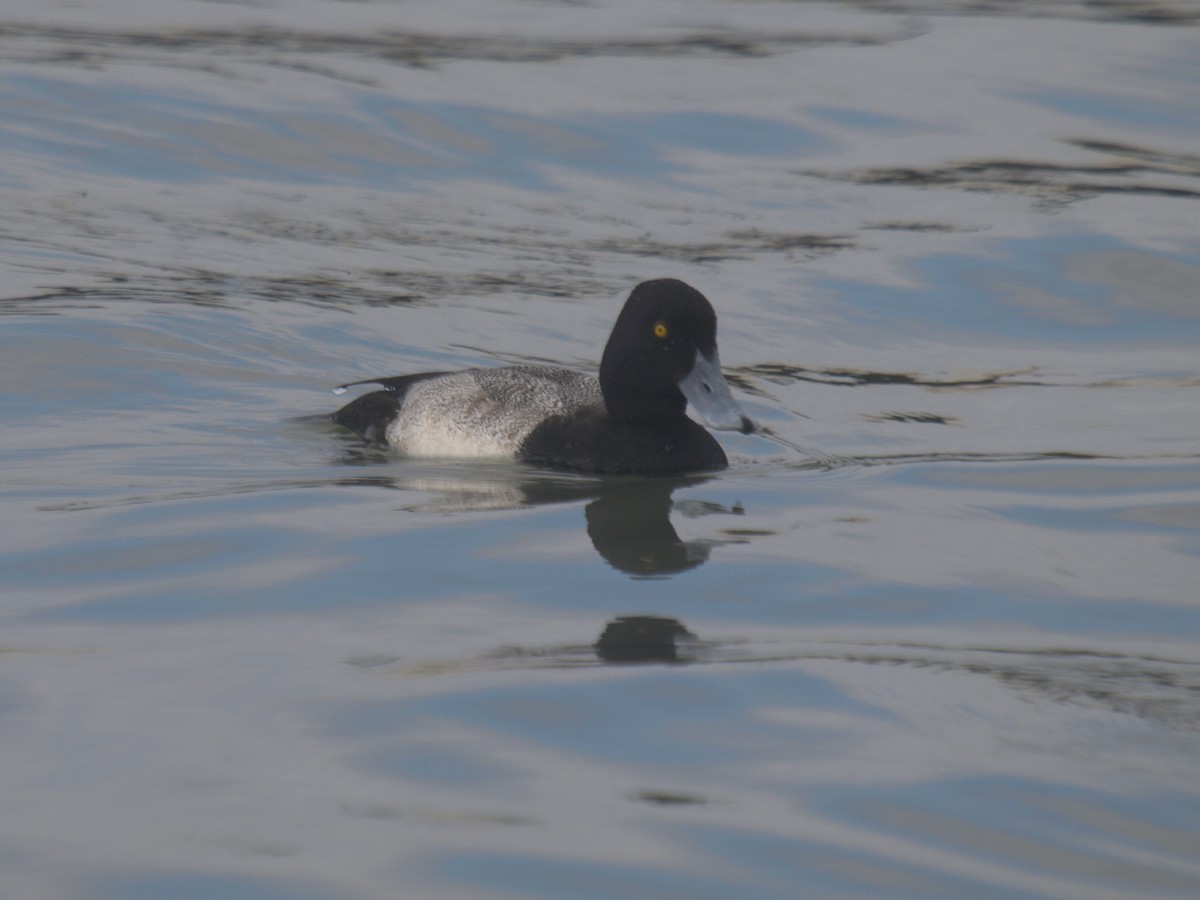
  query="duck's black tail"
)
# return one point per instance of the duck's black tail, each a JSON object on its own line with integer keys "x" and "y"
{"x": 369, "y": 415}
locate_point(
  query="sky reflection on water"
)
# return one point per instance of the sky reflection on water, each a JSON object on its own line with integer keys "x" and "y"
{"x": 135, "y": 131}
{"x": 1103, "y": 292}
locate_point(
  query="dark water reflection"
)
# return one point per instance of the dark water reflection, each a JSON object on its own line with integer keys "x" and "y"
{"x": 1124, "y": 171}
{"x": 1150, "y": 687}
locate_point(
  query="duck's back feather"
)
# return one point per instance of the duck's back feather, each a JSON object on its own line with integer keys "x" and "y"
{"x": 472, "y": 413}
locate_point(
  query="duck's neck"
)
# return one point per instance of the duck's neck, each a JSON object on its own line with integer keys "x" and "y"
{"x": 629, "y": 398}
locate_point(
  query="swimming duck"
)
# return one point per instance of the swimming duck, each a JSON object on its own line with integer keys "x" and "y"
{"x": 661, "y": 355}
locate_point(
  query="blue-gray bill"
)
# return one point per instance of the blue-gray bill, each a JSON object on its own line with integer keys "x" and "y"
{"x": 708, "y": 392}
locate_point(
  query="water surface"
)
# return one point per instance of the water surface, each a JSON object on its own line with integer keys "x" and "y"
{"x": 932, "y": 635}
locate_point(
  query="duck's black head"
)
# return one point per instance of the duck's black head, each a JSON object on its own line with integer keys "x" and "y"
{"x": 662, "y": 353}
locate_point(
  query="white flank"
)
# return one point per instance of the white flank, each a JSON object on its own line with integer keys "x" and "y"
{"x": 483, "y": 413}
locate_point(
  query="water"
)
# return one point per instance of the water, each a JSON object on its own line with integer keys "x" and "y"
{"x": 934, "y": 635}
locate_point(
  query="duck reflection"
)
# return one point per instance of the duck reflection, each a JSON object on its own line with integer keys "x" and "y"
{"x": 631, "y": 528}
{"x": 642, "y": 639}
{"x": 628, "y": 518}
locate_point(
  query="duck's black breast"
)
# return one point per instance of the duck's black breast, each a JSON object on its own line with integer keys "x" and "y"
{"x": 592, "y": 441}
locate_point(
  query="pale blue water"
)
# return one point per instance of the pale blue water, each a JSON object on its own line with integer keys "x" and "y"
{"x": 935, "y": 635}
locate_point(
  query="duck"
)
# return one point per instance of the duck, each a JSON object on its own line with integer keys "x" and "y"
{"x": 660, "y": 357}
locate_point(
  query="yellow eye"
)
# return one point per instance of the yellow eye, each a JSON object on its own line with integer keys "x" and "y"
{"x": 660, "y": 330}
